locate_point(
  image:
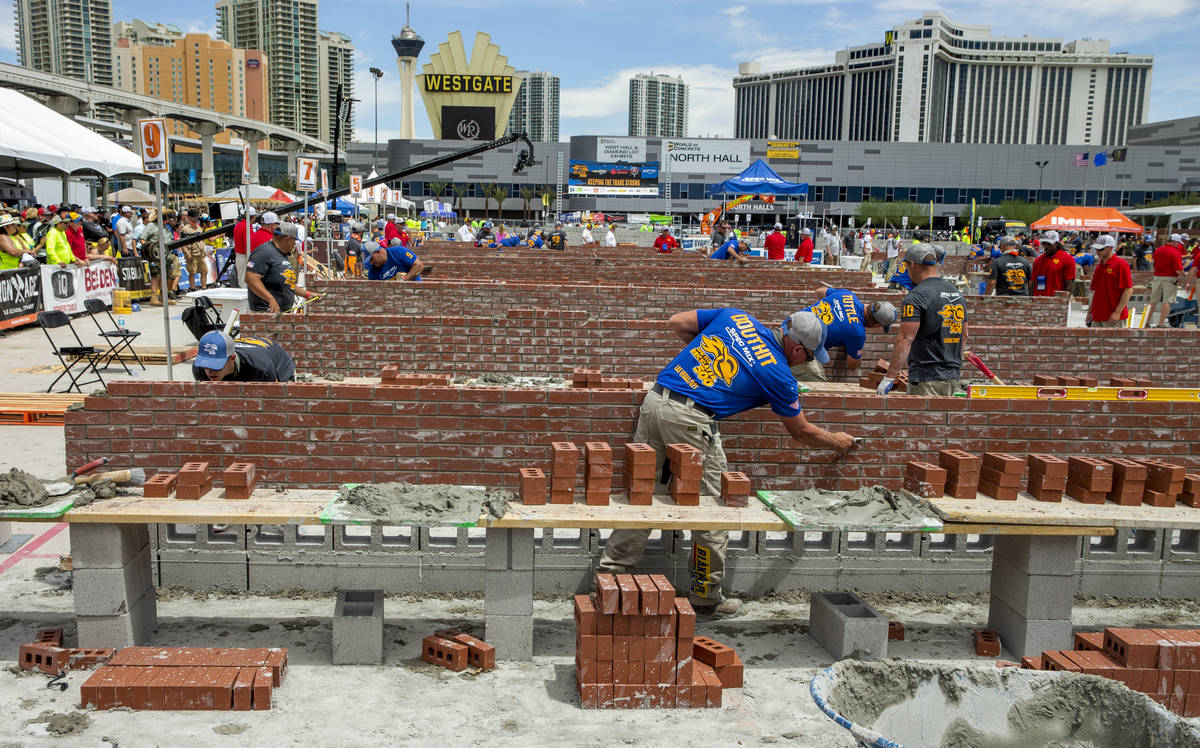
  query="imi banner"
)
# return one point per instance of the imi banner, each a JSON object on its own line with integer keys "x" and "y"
{"x": 705, "y": 156}
{"x": 599, "y": 178}
{"x": 65, "y": 289}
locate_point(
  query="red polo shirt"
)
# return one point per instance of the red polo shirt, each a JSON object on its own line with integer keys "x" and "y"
{"x": 1108, "y": 281}
{"x": 1168, "y": 261}
{"x": 390, "y": 232}
{"x": 775, "y": 246}
{"x": 1052, "y": 273}
{"x": 805, "y": 252}
{"x": 257, "y": 237}
{"x": 665, "y": 243}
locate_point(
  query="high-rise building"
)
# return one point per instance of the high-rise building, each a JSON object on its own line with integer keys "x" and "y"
{"x": 658, "y": 106}
{"x": 192, "y": 69}
{"x": 286, "y": 31}
{"x": 66, "y": 37}
{"x": 535, "y": 110}
{"x": 408, "y": 45}
{"x": 934, "y": 80}
{"x": 336, "y": 55}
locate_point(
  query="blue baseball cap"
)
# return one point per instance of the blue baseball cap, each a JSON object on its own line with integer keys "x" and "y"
{"x": 214, "y": 350}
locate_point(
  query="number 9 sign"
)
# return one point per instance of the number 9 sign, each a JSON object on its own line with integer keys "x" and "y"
{"x": 153, "y": 131}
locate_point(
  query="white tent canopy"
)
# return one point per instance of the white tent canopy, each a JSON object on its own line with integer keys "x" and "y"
{"x": 252, "y": 192}
{"x": 36, "y": 141}
{"x": 1175, "y": 213}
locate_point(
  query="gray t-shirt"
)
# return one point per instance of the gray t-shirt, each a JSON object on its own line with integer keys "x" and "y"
{"x": 267, "y": 261}
{"x": 1011, "y": 274}
{"x": 936, "y": 352}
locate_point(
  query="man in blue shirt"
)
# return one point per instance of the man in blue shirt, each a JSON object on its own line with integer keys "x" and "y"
{"x": 846, "y": 320}
{"x": 385, "y": 263}
{"x": 734, "y": 249}
{"x": 731, "y": 363}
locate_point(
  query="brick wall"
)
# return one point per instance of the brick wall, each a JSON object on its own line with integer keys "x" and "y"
{"x": 638, "y": 299}
{"x": 552, "y": 343}
{"x": 320, "y": 435}
{"x": 584, "y": 270}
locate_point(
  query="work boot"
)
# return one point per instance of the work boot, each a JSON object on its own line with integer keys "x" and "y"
{"x": 730, "y": 607}
{"x": 154, "y": 301}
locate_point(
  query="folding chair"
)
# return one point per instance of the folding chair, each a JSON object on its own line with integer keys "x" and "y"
{"x": 119, "y": 339}
{"x": 71, "y": 356}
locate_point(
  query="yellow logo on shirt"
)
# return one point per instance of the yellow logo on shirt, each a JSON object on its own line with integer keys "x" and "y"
{"x": 714, "y": 361}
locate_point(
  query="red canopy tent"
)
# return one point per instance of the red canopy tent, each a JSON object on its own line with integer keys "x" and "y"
{"x": 1068, "y": 218}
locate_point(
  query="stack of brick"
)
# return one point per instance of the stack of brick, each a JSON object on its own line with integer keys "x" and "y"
{"x": 639, "y": 473}
{"x": 563, "y": 472}
{"x": 1089, "y": 480}
{"x": 47, "y": 654}
{"x": 635, "y": 648}
{"x": 392, "y": 376}
{"x": 875, "y": 376}
{"x": 925, "y": 480}
{"x": 1164, "y": 664}
{"x": 533, "y": 486}
{"x": 1164, "y": 483}
{"x": 159, "y": 486}
{"x": 687, "y": 470}
{"x": 597, "y": 482}
{"x": 186, "y": 678}
{"x": 194, "y": 481}
{"x": 1047, "y": 477}
{"x": 587, "y": 378}
{"x": 962, "y": 472}
{"x": 239, "y": 480}
{"x": 1191, "y": 490}
{"x": 1044, "y": 380}
{"x": 735, "y": 489}
{"x": 456, "y": 650}
{"x": 1000, "y": 476}
{"x": 1128, "y": 481}
{"x": 1130, "y": 382}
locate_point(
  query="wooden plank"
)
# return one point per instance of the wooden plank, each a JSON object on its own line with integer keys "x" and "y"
{"x": 265, "y": 506}
{"x": 1027, "y": 510}
{"x": 663, "y": 514}
{"x": 966, "y": 528}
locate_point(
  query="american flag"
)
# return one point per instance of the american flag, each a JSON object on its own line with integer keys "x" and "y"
{"x": 1081, "y": 159}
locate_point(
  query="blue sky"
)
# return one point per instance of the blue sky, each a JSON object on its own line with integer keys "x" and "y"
{"x": 595, "y": 46}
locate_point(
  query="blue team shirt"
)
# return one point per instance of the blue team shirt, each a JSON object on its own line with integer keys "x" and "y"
{"x": 845, "y": 320}
{"x": 512, "y": 240}
{"x": 535, "y": 241}
{"x": 1085, "y": 259}
{"x": 900, "y": 277}
{"x": 399, "y": 259}
{"x": 733, "y": 365}
{"x": 979, "y": 253}
{"x": 722, "y": 252}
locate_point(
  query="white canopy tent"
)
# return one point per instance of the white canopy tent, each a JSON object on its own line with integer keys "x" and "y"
{"x": 1174, "y": 213}
{"x": 255, "y": 192}
{"x": 36, "y": 141}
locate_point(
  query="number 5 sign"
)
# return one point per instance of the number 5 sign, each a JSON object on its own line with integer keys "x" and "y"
{"x": 355, "y": 185}
{"x": 306, "y": 174}
{"x": 154, "y": 144}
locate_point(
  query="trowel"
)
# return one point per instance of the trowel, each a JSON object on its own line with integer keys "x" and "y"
{"x": 63, "y": 488}
{"x": 134, "y": 477}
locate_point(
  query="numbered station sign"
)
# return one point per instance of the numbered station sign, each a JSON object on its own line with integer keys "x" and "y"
{"x": 154, "y": 144}
{"x": 306, "y": 174}
{"x": 355, "y": 185}
{"x": 324, "y": 180}
{"x": 245, "y": 163}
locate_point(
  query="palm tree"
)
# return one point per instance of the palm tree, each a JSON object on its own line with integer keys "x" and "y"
{"x": 527, "y": 194}
{"x": 547, "y": 193}
{"x": 460, "y": 191}
{"x": 486, "y": 191}
{"x": 499, "y": 193}
{"x": 437, "y": 188}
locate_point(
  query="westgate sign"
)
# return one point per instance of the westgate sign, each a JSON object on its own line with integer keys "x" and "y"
{"x": 468, "y": 83}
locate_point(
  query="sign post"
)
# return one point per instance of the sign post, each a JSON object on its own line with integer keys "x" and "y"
{"x": 153, "y": 132}
{"x": 306, "y": 181}
{"x": 356, "y": 187}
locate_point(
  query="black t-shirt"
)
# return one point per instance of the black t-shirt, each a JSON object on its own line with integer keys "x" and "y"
{"x": 267, "y": 261}
{"x": 92, "y": 232}
{"x": 1011, "y": 274}
{"x": 353, "y": 247}
{"x": 936, "y": 352}
{"x": 259, "y": 360}
{"x": 556, "y": 240}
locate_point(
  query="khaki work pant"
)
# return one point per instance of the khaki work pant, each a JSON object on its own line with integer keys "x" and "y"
{"x": 661, "y": 422}
{"x": 1111, "y": 323}
{"x": 809, "y": 371}
{"x": 935, "y": 388}
{"x": 240, "y": 264}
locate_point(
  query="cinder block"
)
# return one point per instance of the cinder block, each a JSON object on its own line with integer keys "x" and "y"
{"x": 496, "y": 544}
{"x": 125, "y": 630}
{"x": 202, "y": 569}
{"x": 512, "y": 636}
{"x": 110, "y": 592}
{"x": 1024, "y": 636}
{"x": 508, "y": 592}
{"x": 1036, "y": 596}
{"x": 509, "y": 549}
{"x": 1039, "y": 554}
{"x": 844, "y": 624}
{"x": 358, "y": 627}
{"x": 105, "y": 546}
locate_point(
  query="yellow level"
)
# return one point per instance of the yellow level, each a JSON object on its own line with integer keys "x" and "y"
{"x": 1134, "y": 394}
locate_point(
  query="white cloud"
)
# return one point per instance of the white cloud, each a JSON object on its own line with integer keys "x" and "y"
{"x": 8, "y": 35}
{"x": 736, "y": 16}
{"x": 1063, "y": 13}
{"x": 200, "y": 27}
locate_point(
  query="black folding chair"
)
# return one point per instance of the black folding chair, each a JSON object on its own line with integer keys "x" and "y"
{"x": 71, "y": 356}
{"x": 120, "y": 340}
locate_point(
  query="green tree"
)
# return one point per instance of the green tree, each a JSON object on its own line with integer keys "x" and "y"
{"x": 285, "y": 183}
{"x": 437, "y": 188}
{"x": 548, "y": 195}
{"x": 527, "y": 194}
{"x": 891, "y": 215}
{"x": 1175, "y": 198}
{"x": 460, "y": 191}
{"x": 1012, "y": 210}
{"x": 486, "y": 191}
{"x": 499, "y": 193}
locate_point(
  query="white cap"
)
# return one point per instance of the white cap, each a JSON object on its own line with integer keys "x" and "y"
{"x": 1104, "y": 241}
{"x": 268, "y": 218}
{"x": 391, "y": 216}
{"x": 806, "y": 231}
{"x": 779, "y": 227}
{"x": 1176, "y": 238}
{"x": 1050, "y": 236}
{"x": 126, "y": 209}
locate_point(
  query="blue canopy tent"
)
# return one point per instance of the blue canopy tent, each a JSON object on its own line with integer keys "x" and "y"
{"x": 342, "y": 204}
{"x": 758, "y": 179}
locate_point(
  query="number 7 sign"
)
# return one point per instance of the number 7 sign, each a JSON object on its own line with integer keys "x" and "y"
{"x": 306, "y": 174}
{"x": 153, "y": 131}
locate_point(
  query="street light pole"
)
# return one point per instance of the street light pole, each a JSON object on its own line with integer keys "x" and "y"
{"x": 376, "y": 73}
{"x": 1041, "y": 165}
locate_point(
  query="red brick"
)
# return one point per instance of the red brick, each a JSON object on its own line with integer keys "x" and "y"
{"x": 1089, "y": 640}
{"x": 1132, "y": 647}
{"x": 193, "y": 474}
{"x": 666, "y": 595}
{"x": 1004, "y": 480}
{"x": 895, "y": 631}
{"x": 1006, "y": 493}
{"x": 630, "y": 604}
{"x": 243, "y": 686}
{"x": 1090, "y": 474}
{"x": 1031, "y": 663}
{"x": 262, "y": 688}
{"x": 480, "y": 654}
{"x": 987, "y": 643}
{"x": 712, "y": 686}
{"x": 159, "y": 485}
{"x": 735, "y": 489}
{"x": 1004, "y": 463}
{"x": 731, "y": 675}
{"x": 608, "y": 594}
{"x": 712, "y": 652}
{"x": 533, "y": 486}
{"x": 1085, "y": 496}
{"x": 620, "y": 622}
{"x": 585, "y": 615}
{"x": 444, "y": 653}
{"x": 1158, "y": 498}
{"x": 1057, "y": 660}
{"x": 191, "y": 492}
{"x": 685, "y": 618}
{"x": 647, "y": 594}
{"x": 1047, "y": 465}
{"x": 604, "y": 648}
{"x": 957, "y": 461}
{"x": 239, "y": 474}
